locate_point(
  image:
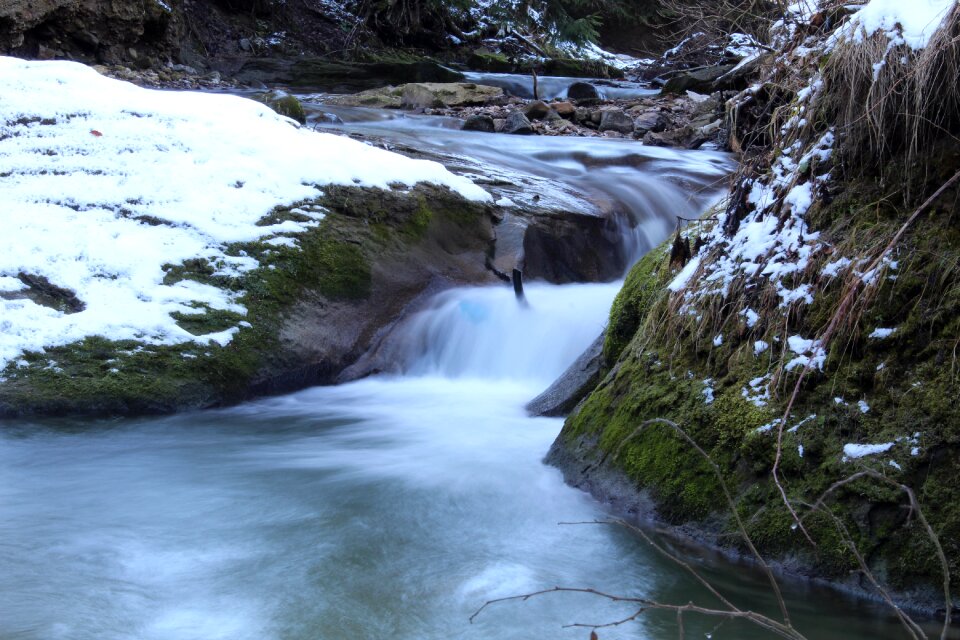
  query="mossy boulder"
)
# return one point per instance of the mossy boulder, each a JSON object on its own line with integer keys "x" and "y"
{"x": 313, "y": 305}
{"x": 284, "y": 104}
{"x": 483, "y": 59}
{"x": 574, "y": 68}
{"x": 728, "y": 396}
{"x": 343, "y": 76}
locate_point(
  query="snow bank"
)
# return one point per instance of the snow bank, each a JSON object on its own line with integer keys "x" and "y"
{"x": 103, "y": 183}
{"x": 910, "y": 23}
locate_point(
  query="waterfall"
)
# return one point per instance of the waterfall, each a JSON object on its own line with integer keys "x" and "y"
{"x": 484, "y": 332}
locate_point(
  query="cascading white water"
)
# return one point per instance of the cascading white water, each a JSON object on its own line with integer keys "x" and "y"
{"x": 487, "y": 333}
{"x": 386, "y": 508}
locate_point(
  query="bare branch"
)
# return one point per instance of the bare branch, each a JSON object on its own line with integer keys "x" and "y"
{"x": 730, "y": 504}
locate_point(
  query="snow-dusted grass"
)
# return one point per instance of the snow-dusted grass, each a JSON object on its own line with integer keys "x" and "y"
{"x": 103, "y": 183}
{"x": 911, "y": 23}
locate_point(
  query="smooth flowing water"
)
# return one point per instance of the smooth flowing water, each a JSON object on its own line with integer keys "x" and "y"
{"x": 387, "y": 508}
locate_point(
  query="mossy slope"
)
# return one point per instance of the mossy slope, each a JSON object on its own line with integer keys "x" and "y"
{"x": 373, "y": 250}
{"x": 900, "y": 389}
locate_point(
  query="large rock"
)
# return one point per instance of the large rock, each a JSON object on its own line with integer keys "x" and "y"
{"x": 564, "y": 248}
{"x": 616, "y": 120}
{"x": 322, "y": 74}
{"x": 650, "y": 121}
{"x": 517, "y": 123}
{"x": 479, "y": 122}
{"x": 92, "y": 30}
{"x": 700, "y": 81}
{"x": 583, "y": 91}
{"x": 536, "y": 110}
{"x": 284, "y": 104}
{"x": 426, "y": 95}
{"x": 571, "y": 68}
{"x": 573, "y": 385}
{"x": 380, "y": 98}
{"x": 483, "y": 59}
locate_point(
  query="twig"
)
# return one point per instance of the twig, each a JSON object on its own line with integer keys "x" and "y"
{"x": 931, "y": 534}
{"x": 778, "y": 628}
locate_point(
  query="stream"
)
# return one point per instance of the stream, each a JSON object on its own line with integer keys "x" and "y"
{"x": 392, "y": 507}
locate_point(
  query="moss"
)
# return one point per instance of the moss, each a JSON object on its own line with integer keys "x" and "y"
{"x": 334, "y": 260}
{"x": 580, "y": 68}
{"x": 909, "y": 381}
{"x": 643, "y": 286}
{"x": 284, "y": 104}
{"x": 485, "y": 60}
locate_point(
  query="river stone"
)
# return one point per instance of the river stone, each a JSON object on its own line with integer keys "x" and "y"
{"x": 536, "y": 110}
{"x": 479, "y": 122}
{"x": 564, "y": 109}
{"x": 380, "y": 98}
{"x": 517, "y": 123}
{"x": 428, "y": 95}
{"x": 582, "y": 92}
{"x": 616, "y": 120}
{"x": 650, "y": 121}
{"x": 573, "y": 385}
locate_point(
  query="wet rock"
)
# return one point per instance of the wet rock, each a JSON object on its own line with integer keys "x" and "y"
{"x": 573, "y": 385}
{"x": 479, "y": 122}
{"x": 517, "y": 123}
{"x": 583, "y": 92}
{"x": 582, "y": 114}
{"x": 616, "y": 120}
{"x": 536, "y": 110}
{"x": 580, "y": 69}
{"x": 650, "y": 121}
{"x": 567, "y": 247}
{"x": 674, "y": 138}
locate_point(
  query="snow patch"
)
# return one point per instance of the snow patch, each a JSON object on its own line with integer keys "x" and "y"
{"x": 105, "y": 183}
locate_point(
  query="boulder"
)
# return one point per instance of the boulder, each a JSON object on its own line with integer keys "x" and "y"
{"x": 284, "y": 104}
{"x": 342, "y": 77}
{"x": 582, "y": 92}
{"x": 426, "y": 95}
{"x": 700, "y": 81}
{"x": 517, "y": 123}
{"x": 573, "y": 385}
{"x": 536, "y": 110}
{"x": 616, "y": 120}
{"x": 570, "y": 68}
{"x": 479, "y": 122}
{"x": 381, "y": 98}
{"x": 483, "y": 59}
{"x": 650, "y": 121}
{"x": 564, "y": 109}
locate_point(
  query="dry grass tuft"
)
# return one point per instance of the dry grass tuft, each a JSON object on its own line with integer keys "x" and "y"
{"x": 891, "y": 101}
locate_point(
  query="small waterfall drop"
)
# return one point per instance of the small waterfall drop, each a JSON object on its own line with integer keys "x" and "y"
{"x": 483, "y": 332}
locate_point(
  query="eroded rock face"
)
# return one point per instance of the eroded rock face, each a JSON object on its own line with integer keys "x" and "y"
{"x": 96, "y": 30}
